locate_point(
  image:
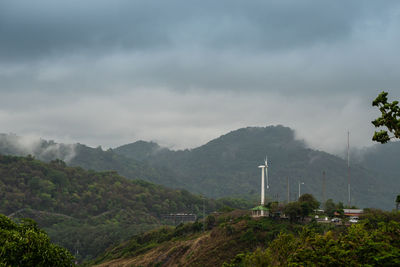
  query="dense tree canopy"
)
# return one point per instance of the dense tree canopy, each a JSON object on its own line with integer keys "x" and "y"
{"x": 308, "y": 204}
{"x": 301, "y": 208}
{"x": 359, "y": 246}
{"x": 293, "y": 211}
{"x": 24, "y": 244}
{"x": 88, "y": 211}
{"x": 375, "y": 241}
{"x": 331, "y": 207}
{"x": 390, "y": 118}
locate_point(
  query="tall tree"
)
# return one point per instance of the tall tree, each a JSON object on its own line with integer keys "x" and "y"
{"x": 24, "y": 244}
{"x": 330, "y": 207}
{"x": 390, "y": 119}
{"x": 293, "y": 210}
{"x": 397, "y": 202}
{"x": 308, "y": 204}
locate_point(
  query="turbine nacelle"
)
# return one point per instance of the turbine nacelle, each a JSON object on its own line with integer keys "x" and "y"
{"x": 261, "y": 166}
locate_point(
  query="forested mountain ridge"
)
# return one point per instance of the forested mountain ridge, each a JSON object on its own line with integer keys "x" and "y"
{"x": 141, "y": 150}
{"x": 88, "y": 211}
{"x": 228, "y": 166}
{"x": 86, "y": 157}
{"x": 99, "y": 160}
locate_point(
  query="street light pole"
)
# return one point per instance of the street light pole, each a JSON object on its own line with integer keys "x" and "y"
{"x": 300, "y": 183}
{"x": 204, "y": 213}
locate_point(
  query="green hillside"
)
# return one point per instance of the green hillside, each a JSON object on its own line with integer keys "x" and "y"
{"x": 99, "y": 160}
{"x": 87, "y": 211}
{"x": 140, "y": 150}
{"x": 237, "y": 240}
{"x": 86, "y": 157}
{"x": 226, "y": 235}
{"x": 228, "y": 166}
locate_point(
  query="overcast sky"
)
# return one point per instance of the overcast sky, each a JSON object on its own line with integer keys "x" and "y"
{"x": 184, "y": 72}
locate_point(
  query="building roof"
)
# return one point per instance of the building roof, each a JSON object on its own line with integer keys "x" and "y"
{"x": 260, "y": 208}
{"x": 355, "y": 211}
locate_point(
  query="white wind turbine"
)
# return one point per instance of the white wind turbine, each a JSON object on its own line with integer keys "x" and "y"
{"x": 263, "y": 167}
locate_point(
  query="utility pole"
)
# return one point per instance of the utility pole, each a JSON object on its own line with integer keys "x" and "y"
{"x": 348, "y": 169}
{"x": 204, "y": 214}
{"x": 77, "y": 246}
{"x": 288, "y": 189}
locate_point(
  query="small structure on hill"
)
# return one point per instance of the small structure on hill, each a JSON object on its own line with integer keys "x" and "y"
{"x": 259, "y": 211}
{"x": 352, "y": 212}
{"x": 178, "y": 218}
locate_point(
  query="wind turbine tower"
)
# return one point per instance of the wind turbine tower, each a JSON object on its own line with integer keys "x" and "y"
{"x": 262, "y": 167}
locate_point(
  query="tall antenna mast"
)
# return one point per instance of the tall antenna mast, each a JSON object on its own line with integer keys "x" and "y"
{"x": 288, "y": 190}
{"x": 348, "y": 168}
{"x": 323, "y": 188}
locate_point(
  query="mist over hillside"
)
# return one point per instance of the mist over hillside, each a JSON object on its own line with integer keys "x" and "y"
{"x": 227, "y": 166}
{"x": 12, "y": 144}
{"x": 85, "y": 157}
{"x": 384, "y": 158}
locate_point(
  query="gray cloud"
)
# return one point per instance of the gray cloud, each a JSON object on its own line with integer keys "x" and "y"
{"x": 186, "y": 120}
{"x": 33, "y": 29}
{"x": 183, "y": 72}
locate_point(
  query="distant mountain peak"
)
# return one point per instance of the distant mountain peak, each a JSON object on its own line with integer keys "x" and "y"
{"x": 274, "y": 135}
{"x": 139, "y": 150}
